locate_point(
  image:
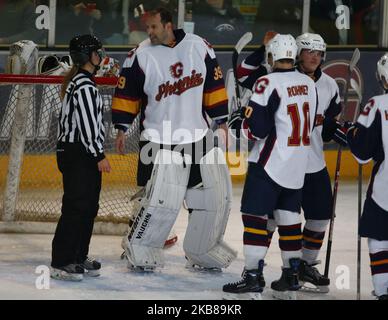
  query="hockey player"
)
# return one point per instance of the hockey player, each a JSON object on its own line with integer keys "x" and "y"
{"x": 172, "y": 79}
{"x": 317, "y": 198}
{"x": 256, "y": 64}
{"x": 368, "y": 140}
{"x": 280, "y": 116}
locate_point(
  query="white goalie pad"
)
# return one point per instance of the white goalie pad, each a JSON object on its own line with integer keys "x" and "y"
{"x": 203, "y": 243}
{"x": 159, "y": 209}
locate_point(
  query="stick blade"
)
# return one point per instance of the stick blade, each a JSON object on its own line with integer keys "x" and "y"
{"x": 355, "y": 58}
{"x": 244, "y": 40}
{"x": 356, "y": 88}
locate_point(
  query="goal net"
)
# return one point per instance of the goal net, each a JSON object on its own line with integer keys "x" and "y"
{"x": 31, "y": 184}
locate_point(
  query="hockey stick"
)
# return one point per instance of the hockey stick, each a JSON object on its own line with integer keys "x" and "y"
{"x": 244, "y": 40}
{"x": 353, "y": 62}
{"x": 357, "y": 89}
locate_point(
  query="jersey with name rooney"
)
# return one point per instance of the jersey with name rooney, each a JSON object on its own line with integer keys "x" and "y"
{"x": 281, "y": 116}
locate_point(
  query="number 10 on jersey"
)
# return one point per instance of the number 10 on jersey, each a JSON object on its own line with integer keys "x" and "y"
{"x": 295, "y": 139}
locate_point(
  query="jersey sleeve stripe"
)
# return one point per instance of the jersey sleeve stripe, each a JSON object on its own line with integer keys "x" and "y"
{"x": 126, "y": 105}
{"x": 215, "y": 98}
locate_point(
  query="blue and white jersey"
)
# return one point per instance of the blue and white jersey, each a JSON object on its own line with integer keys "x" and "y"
{"x": 329, "y": 107}
{"x": 281, "y": 115}
{"x": 368, "y": 140}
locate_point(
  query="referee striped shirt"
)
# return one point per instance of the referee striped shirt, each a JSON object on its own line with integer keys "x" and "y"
{"x": 81, "y": 118}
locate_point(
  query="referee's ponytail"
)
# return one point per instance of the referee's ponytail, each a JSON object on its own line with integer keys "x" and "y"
{"x": 68, "y": 76}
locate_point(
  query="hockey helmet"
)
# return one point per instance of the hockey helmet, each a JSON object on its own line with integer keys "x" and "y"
{"x": 382, "y": 69}
{"x": 282, "y": 46}
{"x": 311, "y": 41}
{"x": 81, "y": 48}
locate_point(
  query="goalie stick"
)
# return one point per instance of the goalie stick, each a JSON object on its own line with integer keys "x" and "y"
{"x": 244, "y": 40}
{"x": 352, "y": 64}
{"x": 357, "y": 89}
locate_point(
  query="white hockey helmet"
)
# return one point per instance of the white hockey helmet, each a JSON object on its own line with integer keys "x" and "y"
{"x": 311, "y": 41}
{"x": 267, "y": 64}
{"x": 282, "y": 46}
{"x": 382, "y": 69}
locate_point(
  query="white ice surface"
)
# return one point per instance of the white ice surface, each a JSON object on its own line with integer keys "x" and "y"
{"x": 20, "y": 254}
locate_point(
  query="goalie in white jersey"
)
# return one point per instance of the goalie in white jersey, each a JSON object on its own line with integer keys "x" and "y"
{"x": 368, "y": 140}
{"x": 174, "y": 81}
{"x": 280, "y": 117}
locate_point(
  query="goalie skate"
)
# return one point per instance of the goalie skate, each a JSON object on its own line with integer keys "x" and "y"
{"x": 130, "y": 266}
{"x": 197, "y": 268}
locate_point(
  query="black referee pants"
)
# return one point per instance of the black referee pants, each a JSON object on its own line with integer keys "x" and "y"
{"x": 81, "y": 186}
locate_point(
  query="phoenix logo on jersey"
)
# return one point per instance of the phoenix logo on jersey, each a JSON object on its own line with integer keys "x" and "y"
{"x": 176, "y": 70}
{"x": 180, "y": 86}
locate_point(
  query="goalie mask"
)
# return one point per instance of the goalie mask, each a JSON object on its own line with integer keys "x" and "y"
{"x": 282, "y": 46}
{"x": 52, "y": 65}
{"x": 311, "y": 42}
{"x": 81, "y": 48}
{"x": 382, "y": 71}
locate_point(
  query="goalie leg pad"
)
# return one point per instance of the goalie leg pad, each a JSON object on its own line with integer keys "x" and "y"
{"x": 210, "y": 205}
{"x": 159, "y": 209}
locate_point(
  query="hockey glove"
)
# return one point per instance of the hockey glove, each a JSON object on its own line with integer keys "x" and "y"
{"x": 340, "y": 133}
{"x": 235, "y": 122}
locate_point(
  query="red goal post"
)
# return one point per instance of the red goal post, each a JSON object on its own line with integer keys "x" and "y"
{"x": 30, "y": 183}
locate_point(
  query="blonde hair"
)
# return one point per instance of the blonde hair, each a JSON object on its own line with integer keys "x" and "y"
{"x": 66, "y": 80}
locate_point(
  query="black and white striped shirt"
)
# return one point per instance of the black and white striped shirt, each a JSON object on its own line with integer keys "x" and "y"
{"x": 81, "y": 117}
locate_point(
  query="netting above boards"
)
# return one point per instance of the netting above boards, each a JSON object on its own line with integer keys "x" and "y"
{"x": 40, "y": 189}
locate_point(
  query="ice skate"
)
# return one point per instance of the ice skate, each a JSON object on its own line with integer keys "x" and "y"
{"x": 197, "y": 268}
{"x": 382, "y": 297}
{"x": 91, "y": 267}
{"x": 311, "y": 280}
{"x": 70, "y": 272}
{"x": 249, "y": 287}
{"x": 285, "y": 288}
{"x": 126, "y": 254}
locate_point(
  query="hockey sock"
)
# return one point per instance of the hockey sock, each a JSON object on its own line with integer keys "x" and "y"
{"x": 290, "y": 235}
{"x": 271, "y": 227}
{"x": 378, "y": 253}
{"x": 255, "y": 239}
{"x": 313, "y": 235}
